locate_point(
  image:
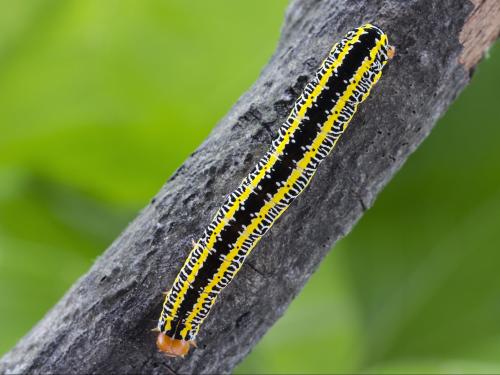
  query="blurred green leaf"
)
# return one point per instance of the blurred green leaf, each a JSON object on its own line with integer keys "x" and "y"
{"x": 100, "y": 103}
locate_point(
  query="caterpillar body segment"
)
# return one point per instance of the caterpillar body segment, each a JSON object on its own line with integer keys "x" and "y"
{"x": 317, "y": 120}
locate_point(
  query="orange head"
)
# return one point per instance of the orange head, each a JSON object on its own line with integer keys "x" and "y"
{"x": 172, "y": 347}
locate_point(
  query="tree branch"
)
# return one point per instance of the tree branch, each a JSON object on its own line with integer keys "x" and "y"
{"x": 102, "y": 324}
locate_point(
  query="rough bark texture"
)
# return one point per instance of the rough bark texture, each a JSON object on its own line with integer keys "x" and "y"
{"x": 103, "y": 323}
{"x": 480, "y": 30}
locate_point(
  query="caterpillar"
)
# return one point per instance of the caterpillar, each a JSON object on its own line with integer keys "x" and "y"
{"x": 317, "y": 120}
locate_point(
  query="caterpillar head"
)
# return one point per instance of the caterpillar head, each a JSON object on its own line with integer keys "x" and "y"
{"x": 173, "y": 347}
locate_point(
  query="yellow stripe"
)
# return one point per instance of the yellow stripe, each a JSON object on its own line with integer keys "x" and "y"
{"x": 280, "y": 195}
{"x": 272, "y": 159}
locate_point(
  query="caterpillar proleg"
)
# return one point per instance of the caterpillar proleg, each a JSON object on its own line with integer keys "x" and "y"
{"x": 316, "y": 122}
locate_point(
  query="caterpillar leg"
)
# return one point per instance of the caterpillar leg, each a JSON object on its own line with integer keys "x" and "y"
{"x": 391, "y": 52}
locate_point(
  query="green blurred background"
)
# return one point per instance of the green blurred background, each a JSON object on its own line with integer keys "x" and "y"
{"x": 96, "y": 112}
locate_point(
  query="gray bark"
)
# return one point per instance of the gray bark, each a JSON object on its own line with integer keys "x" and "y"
{"x": 103, "y": 322}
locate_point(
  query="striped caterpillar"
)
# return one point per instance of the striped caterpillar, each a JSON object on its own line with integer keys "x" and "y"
{"x": 317, "y": 120}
